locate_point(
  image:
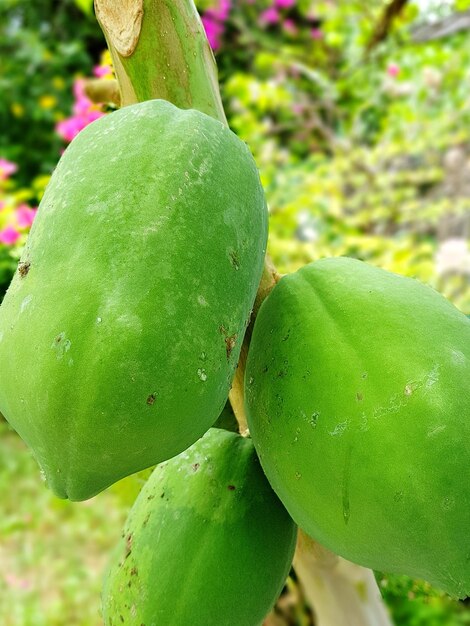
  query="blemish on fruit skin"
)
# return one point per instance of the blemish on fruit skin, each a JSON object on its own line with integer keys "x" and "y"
{"x": 151, "y": 399}
{"x": 361, "y": 588}
{"x": 448, "y": 503}
{"x": 61, "y": 345}
{"x": 23, "y": 268}
{"x": 345, "y": 490}
{"x": 234, "y": 260}
{"x": 231, "y": 487}
{"x": 398, "y": 496}
{"x": 128, "y": 548}
{"x": 202, "y": 374}
{"x": 230, "y": 340}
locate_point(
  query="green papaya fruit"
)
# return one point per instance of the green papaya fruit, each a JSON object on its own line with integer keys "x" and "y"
{"x": 206, "y": 543}
{"x": 121, "y": 330}
{"x": 358, "y": 400}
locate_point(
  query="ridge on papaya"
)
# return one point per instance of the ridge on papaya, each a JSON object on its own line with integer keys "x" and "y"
{"x": 142, "y": 269}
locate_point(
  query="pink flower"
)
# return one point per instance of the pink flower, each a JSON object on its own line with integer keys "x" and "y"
{"x": 393, "y": 70}
{"x": 224, "y": 9}
{"x": 214, "y": 31}
{"x": 7, "y": 168}
{"x": 25, "y": 216}
{"x": 100, "y": 71}
{"x": 15, "y": 582}
{"x": 270, "y": 16}
{"x": 284, "y": 4}
{"x": 290, "y": 27}
{"x": 68, "y": 129}
{"x": 9, "y": 235}
{"x": 85, "y": 112}
{"x": 2, "y": 205}
{"x": 316, "y": 33}
{"x": 213, "y": 21}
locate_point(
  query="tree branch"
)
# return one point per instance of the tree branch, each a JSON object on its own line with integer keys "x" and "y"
{"x": 384, "y": 25}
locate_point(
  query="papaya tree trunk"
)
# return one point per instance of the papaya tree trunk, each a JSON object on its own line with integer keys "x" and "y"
{"x": 340, "y": 592}
{"x": 160, "y": 50}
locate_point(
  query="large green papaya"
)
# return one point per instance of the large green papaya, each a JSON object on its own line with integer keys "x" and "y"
{"x": 206, "y": 543}
{"x": 121, "y": 330}
{"x": 358, "y": 400}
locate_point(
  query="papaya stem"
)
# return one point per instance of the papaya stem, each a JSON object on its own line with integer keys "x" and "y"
{"x": 269, "y": 278}
{"x": 160, "y": 50}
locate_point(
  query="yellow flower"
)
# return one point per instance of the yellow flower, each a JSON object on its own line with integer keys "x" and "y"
{"x": 47, "y": 101}
{"x": 105, "y": 58}
{"x": 17, "y": 109}
{"x": 58, "y": 82}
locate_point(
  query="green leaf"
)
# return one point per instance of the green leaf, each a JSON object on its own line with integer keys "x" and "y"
{"x": 85, "y": 5}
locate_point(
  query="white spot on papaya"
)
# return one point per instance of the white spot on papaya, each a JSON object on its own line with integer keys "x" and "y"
{"x": 339, "y": 429}
{"x": 25, "y": 302}
{"x": 408, "y": 389}
{"x": 202, "y": 301}
{"x": 432, "y": 432}
{"x": 202, "y": 374}
{"x": 458, "y": 357}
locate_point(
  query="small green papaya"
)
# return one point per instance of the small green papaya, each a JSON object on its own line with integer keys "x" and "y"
{"x": 358, "y": 401}
{"x": 206, "y": 543}
{"x": 121, "y": 330}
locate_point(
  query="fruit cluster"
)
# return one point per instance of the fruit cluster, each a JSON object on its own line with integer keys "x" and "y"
{"x": 128, "y": 312}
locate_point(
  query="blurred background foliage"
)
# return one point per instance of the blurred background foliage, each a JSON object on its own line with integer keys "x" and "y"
{"x": 358, "y": 114}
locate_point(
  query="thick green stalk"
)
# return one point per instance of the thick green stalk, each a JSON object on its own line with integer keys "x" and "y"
{"x": 160, "y": 50}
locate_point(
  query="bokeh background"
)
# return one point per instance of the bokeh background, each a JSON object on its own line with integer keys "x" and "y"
{"x": 358, "y": 114}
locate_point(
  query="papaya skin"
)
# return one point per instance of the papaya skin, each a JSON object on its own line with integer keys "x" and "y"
{"x": 119, "y": 343}
{"x": 206, "y": 543}
{"x": 358, "y": 403}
